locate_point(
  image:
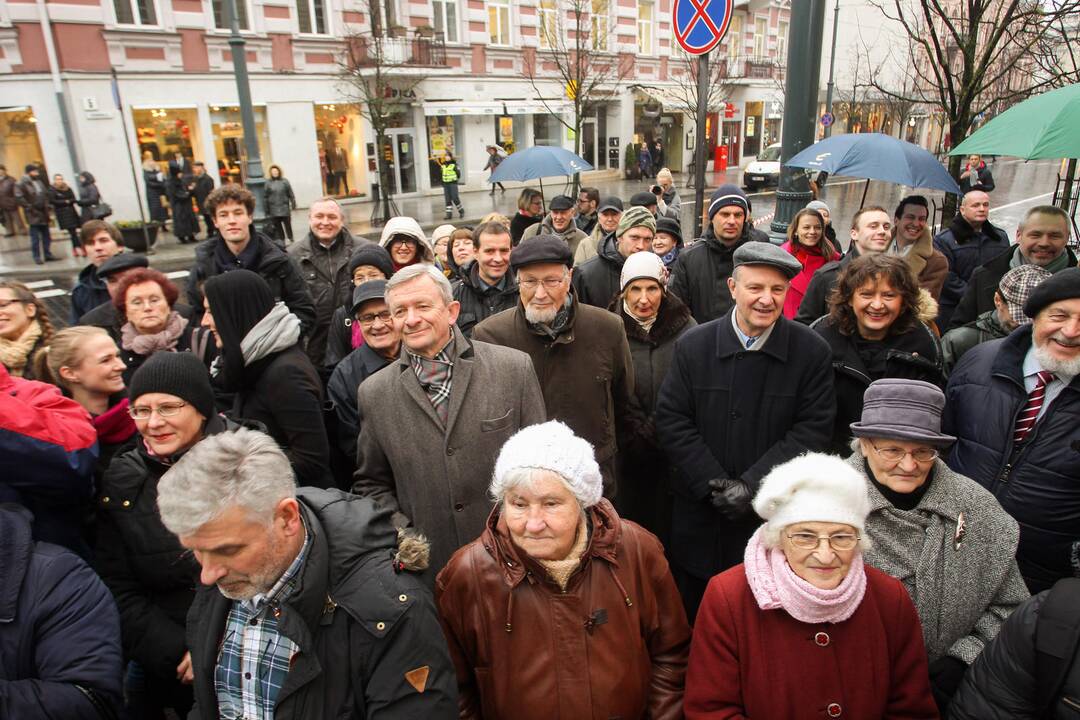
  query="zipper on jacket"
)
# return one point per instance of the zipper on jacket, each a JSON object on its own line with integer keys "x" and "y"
{"x": 1068, "y": 701}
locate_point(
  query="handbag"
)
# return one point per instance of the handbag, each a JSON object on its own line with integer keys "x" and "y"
{"x": 101, "y": 211}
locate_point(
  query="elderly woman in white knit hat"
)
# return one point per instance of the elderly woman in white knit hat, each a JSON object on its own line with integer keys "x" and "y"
{"x": 561, "y": 610}
{"x": 803, "y": 629}
{"x": 942, "y": 534}
{"x": 654, "y": 319}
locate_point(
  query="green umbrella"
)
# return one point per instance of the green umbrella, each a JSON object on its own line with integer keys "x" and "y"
{"x": 1045, "y": 126}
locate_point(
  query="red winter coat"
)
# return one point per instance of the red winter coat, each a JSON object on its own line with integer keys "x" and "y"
{"x": 812, "y": 262}
{"x": 764, "y": 664}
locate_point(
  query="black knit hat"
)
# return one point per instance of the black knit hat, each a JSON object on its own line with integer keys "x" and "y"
{"x": 371, "y": 254}
{"x": 175, "y": 373}
{"x": 1064, "y": 285}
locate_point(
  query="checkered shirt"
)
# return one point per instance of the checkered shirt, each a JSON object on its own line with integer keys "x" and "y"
{"x": 435, "y": 376}
{"x": 254, "y": 658}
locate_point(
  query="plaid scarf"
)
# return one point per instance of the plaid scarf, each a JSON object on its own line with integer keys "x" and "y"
{"x": 254, "y": 659}
{"x": 435, "y": 377}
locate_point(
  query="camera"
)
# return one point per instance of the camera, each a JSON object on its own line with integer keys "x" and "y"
{"x": 656, "y": 190}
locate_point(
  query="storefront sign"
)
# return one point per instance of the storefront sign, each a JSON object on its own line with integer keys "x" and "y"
{"x": 751, "y": 126}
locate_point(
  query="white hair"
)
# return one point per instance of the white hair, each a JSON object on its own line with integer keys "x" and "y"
{"x": 242, "y": 468}
{"x": 412, "y": 272}
{"x": 525, "y": 478}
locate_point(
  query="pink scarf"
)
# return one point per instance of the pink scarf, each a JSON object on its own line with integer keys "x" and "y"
{"x": 776, "y": 586}
{"x": 357, "y": 338}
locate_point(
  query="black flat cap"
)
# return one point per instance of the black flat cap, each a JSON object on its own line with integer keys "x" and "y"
{"x": 561, "y": 202}
{"x": 1063, "y": 285}
{"x": 370, "y": 290}
{"x": 643, "y": 199}
{"x": 120, "y": 262}
{"x": 541, "y": 249}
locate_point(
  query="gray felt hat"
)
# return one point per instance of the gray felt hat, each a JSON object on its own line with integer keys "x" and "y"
{"x": 900, "y": 409}
{"x": 764, "y": 253}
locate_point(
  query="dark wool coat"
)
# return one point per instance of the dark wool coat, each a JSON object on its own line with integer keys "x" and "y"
{"x": 1037, "y": 483}
{"x": 519, "y": 224}
{"x": 63, "y": 205}
{"x": 7, "y": 194}
{"x": 279, "y": 198}
{"x": 965, "y": 250}
{"x": 746, "y": 662}
{"x": 325, "y": 270}
{"x": 1003, "y": 683}
{"x": 89, "y": 197}
{"x": 363, "y": 624}
{"x": 204, "y": 185}
{"x": 644, "y": 471}
{"x": 155, "y": 188}
{"x": 437, "y": 477}
{"x": 724, "y": 412}
{"x": 33, "y": 199}
{"x": 586, "y": 373}
{"x": 979, "y": 293}
{"x": 956, "y": 342}
{"x": 912, "y": 355}
{"x": 272, "y": 264}
{"x": 597, "y": 279}
{"x": 59, "y": 631}
{"x": 526, "y": 649}
{"x": 358, "y": 366}
{"x": 478, "y": 301}
{"x": 89, "y": 292}
{"x": 286, "y": 395}
{"x": 185, "y": 224}
{"x": 701, "y": 273}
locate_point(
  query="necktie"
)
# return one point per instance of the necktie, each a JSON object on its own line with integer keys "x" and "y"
{"x": 751, "y": 340}
{"x": 1026, "y": 420}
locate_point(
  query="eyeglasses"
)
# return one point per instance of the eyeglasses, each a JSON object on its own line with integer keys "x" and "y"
{"x": 549, "y": 283}
{"x": 810, "y": 541}
{"x": 895, "y": 454}
{"x": 370, "y": 318}
{"x": 141, "y": 412}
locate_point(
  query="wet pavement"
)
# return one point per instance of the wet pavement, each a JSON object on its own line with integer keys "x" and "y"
{"x": 1020, "y": 186}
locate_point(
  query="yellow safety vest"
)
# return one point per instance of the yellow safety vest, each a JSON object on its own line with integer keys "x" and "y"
{"x": 449, "y": 172}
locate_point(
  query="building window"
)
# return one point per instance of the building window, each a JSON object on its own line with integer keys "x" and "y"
{"x": 312, "y": 16}
{"x": 781, "y": 41}
{"x": 499, "y": 21}
{"x": 600, "y": 24}
{"x": 549, "y": 33}
{"x": 735, "y": 37}
{"x": 384, "y": 16}
{"x": 761, "y": 27}
{"x": 135, "y": 12}
{"x": 446, "y": 19}
{"x": 645, "y": 27}
{"x": 222, "y": 23}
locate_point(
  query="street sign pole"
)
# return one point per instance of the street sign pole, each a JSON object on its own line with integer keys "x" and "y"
{"x": 702, "y": 141}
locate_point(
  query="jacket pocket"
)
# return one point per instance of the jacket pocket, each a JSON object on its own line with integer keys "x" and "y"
{"x": 499, "y": 423}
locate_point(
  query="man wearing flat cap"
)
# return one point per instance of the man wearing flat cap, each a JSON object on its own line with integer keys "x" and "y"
{"x": 1013, "y": 405}
{"x": 607, "y": 222}
{"x": 701, "y": 273}
{"x": 596, "y": 281}
{"x": 560, "y": 223}
{"x": 744, "y": 393}
{"x": 580, "y": 352}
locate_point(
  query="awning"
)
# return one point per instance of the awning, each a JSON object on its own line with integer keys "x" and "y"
{"x": 673, "y": 99}
{"x": 510, "y": 107}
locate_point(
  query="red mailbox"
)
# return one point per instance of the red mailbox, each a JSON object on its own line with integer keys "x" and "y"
{"x": 720, "y": 161}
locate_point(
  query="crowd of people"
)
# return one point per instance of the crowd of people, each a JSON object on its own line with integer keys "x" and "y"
{"x": 562, "y": 464}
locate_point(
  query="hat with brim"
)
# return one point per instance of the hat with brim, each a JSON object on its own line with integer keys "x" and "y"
{"x": 900, "y": 409}
{"x": 370, "y": 290}
{"x": 541, "y": 249}
{"x": 121, "y": 262}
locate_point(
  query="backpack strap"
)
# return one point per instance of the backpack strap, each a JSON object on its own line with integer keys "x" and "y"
{"x": 1057, "y": 638}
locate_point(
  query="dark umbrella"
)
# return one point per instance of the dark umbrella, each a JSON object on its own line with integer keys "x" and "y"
{"x": 876, "y": 156}
{"x": 538, "y": 162}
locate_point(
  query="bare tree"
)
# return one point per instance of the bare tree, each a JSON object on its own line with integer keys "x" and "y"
{"x": 574, "y": 55}
{"x": 379, "y": 70}
{"x": 852, "y": 99}
{"x": 975, "y": 57}
{"x": 683, "y": 73}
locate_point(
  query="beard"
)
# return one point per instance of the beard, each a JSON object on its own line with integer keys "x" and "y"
{"x": 1056, "y": 365}
{"x": 246, "y": 587}
{"x": 540, "y": 316}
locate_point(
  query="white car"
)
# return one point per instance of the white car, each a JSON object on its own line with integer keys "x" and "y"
{"x": 764, "y": 171}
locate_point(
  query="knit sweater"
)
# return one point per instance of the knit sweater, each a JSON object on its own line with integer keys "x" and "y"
{"x": 963, "y": 588}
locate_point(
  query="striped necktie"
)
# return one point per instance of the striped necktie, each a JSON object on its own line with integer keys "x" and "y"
{"x": 1030, "y": 413}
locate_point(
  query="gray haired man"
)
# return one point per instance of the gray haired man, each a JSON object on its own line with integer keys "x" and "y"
{"x": 307, "y": 610}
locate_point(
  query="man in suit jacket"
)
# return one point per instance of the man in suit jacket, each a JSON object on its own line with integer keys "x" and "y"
{"x": 432, "y": 424}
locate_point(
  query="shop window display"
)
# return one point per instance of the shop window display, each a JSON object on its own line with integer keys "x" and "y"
{"x": 19, "y": 143}
{"x": 341, "y": 150}
{"x": 164, "y": 132}
{"x": 228, "y": 133}
{"x": 441, "y": 143}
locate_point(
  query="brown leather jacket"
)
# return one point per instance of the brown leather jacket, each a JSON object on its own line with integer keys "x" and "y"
{"x": 613, "y": 645}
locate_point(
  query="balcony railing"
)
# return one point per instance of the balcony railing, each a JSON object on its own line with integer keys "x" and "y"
{"x": 399, "y": 51}
{"x": 752, "y": 68}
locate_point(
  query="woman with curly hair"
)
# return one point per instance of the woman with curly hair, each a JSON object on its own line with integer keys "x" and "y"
{"x": 25, "y": 328}
{"x": 877, "y": 327}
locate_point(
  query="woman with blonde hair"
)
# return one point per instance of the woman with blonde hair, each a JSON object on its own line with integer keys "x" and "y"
{"x": 25, "y": 328}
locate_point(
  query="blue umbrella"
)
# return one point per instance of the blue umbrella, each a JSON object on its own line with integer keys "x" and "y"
{"x": 539, "y": 161}
{"x": 876, "y": 156}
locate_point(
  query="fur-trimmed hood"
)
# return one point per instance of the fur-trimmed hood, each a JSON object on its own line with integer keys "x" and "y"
{"x": 407, "y": 226}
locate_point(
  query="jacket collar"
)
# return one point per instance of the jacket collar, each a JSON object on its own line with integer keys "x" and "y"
{"x": 310, "y": 244}
{"x": 1009, "y": 360}
{"x": 728, "y": 343}
{"x": 565, "y": 337}
{"x": 471, "y": 278}
{"x": 462, "y": 359}
{"x": 371, "y": 360}
{"x": 964, "y": 232}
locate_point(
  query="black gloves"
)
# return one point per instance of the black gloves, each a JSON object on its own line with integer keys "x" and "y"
{"x": 945, "y": 675}
{"x": 731, "y": 497}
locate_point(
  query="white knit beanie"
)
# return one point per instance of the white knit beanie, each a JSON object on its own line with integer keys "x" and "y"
{"x": 551, "y": 446}
{"x": 644, "y": 264}
{"x": 813, "y": 488}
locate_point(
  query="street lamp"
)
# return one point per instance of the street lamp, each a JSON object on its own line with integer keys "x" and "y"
{"x": 800, "y": 110}
{"x": 255, "y": 178}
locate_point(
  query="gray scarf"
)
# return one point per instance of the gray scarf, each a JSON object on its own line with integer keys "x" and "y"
{"x": 1058, "y": 263}
{"x": 278, "y": 330}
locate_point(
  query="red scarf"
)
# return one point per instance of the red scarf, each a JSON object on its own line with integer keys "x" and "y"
{"x": 114, "y": 426}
